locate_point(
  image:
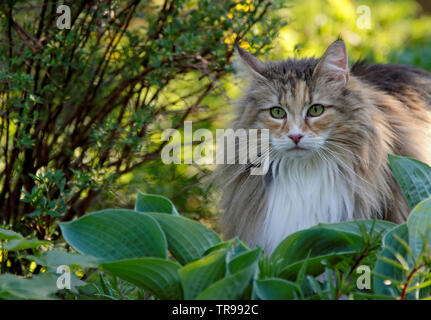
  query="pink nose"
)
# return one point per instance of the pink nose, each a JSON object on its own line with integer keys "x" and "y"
{"x": 295, "y": 137}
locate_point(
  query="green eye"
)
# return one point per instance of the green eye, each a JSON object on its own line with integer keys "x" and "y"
{"x": 277, "y": 112}
{"x": 315, "y": 110}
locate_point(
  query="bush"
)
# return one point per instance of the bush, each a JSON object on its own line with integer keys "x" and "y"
{"x": 82, "y": 107}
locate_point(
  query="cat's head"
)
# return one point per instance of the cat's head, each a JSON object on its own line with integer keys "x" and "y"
{"x": 301, "y": 102}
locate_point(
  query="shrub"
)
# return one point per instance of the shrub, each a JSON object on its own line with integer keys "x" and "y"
{"x": 82, "y": 107}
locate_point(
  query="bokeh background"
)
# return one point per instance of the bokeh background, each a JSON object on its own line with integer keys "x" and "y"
{"x": 83, "y": 109}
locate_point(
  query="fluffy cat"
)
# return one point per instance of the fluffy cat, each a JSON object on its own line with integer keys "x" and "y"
{"x": 330, "y": 129}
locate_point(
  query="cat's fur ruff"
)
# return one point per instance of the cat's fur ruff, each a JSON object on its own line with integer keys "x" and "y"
{"x": 375, "y": 109}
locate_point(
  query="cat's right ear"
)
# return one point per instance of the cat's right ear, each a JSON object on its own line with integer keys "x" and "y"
{"x": 253, "y": 64}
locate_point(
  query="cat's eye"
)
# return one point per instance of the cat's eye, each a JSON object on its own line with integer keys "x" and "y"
{"x": 277, "y": 112}
{"x": 315, "y": 110}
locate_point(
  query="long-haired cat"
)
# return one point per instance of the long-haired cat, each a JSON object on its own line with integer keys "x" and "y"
{"x": 331, "y": 128}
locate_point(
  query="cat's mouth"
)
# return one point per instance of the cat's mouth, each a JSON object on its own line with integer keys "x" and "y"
{"x": 298, "y": 152}
{"x": 297, "y": 149}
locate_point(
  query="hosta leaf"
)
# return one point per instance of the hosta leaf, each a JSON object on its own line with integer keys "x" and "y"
{"x": 9, "y": 235}
{"x": 53, "y": 259}
{"x": 378, "y": 227}
{"x": 155, "y": 203}
{"x": 385, "y": 273}
{"x": 276, "y": 289}
{"x": 37, "y": 287}
{"x": 116, "y": 234}
{"x": 413, "y": 176}
{"x": 158, "y": 276}
{"x": 200, "y": 274}
{"x": 313, "y": 245}
{"x": 23, "y": 243}
{"x": 419, "y": 225}
{"x": 187, "y": 240}
{"x": 42, "y": 286}
{"x": 231, "y": 287}
{"x": 243, "y": 260}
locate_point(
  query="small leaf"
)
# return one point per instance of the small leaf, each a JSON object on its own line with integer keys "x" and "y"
{"x": 154, "y": 203}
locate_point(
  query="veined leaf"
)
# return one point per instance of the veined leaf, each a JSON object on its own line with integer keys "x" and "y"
{"x": 231, "y": 287}
{"x": 419, "y": 225}
{"x": 313, "y": 245}
{"x": 276, "y": 289}
{"x": 200, "y": 274}
{"x": 413, "y": 176}
{"x": 330, "y": 242}
{"x": 116, "y": 234}
{"x": 158, "y": 276}
{"x": 154, "y": 203}
{"x": 187, "y": 240}
{"x": 243, "y": 260}
{"x": 385, "y": 274}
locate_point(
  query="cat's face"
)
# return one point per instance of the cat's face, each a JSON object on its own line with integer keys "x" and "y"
{"x": 299, "y": 101}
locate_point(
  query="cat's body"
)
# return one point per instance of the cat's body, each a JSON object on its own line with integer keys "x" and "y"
{"x": 330, "y": 165}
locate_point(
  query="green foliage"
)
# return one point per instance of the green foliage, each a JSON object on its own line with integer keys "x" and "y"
{"x": 83, "y": 108}
{"x": 152, "y": 253}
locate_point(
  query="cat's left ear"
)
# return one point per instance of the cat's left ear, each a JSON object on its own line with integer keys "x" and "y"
{"x": 332, "y": 69}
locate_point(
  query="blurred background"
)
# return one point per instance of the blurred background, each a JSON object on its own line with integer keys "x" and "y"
{"x": 84, "y": 104}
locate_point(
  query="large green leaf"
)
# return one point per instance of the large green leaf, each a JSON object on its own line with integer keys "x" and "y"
{"x": 116, "y": 234}
{"x": 155, "y": 203}
{"x": 376, "y": 227}
{"x": 414, "y": 178}
{"x": 158, "y": 276}
{"x": 330, "y": 242}
{"x": 231, "y": 287}
{"x": 313, "y": 246}
{"x": 387, "y": 274}
{"x": 276, "y": 289}
{"x": 199, "y": 275}
{"x": 419, "y": 225}
{"x": 187, "y": 240}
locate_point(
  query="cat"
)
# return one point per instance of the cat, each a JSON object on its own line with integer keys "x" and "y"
{"x": 331, "y": 128}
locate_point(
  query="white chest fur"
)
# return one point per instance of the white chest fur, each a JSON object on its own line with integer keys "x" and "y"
{"x": 302, "y": 194}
